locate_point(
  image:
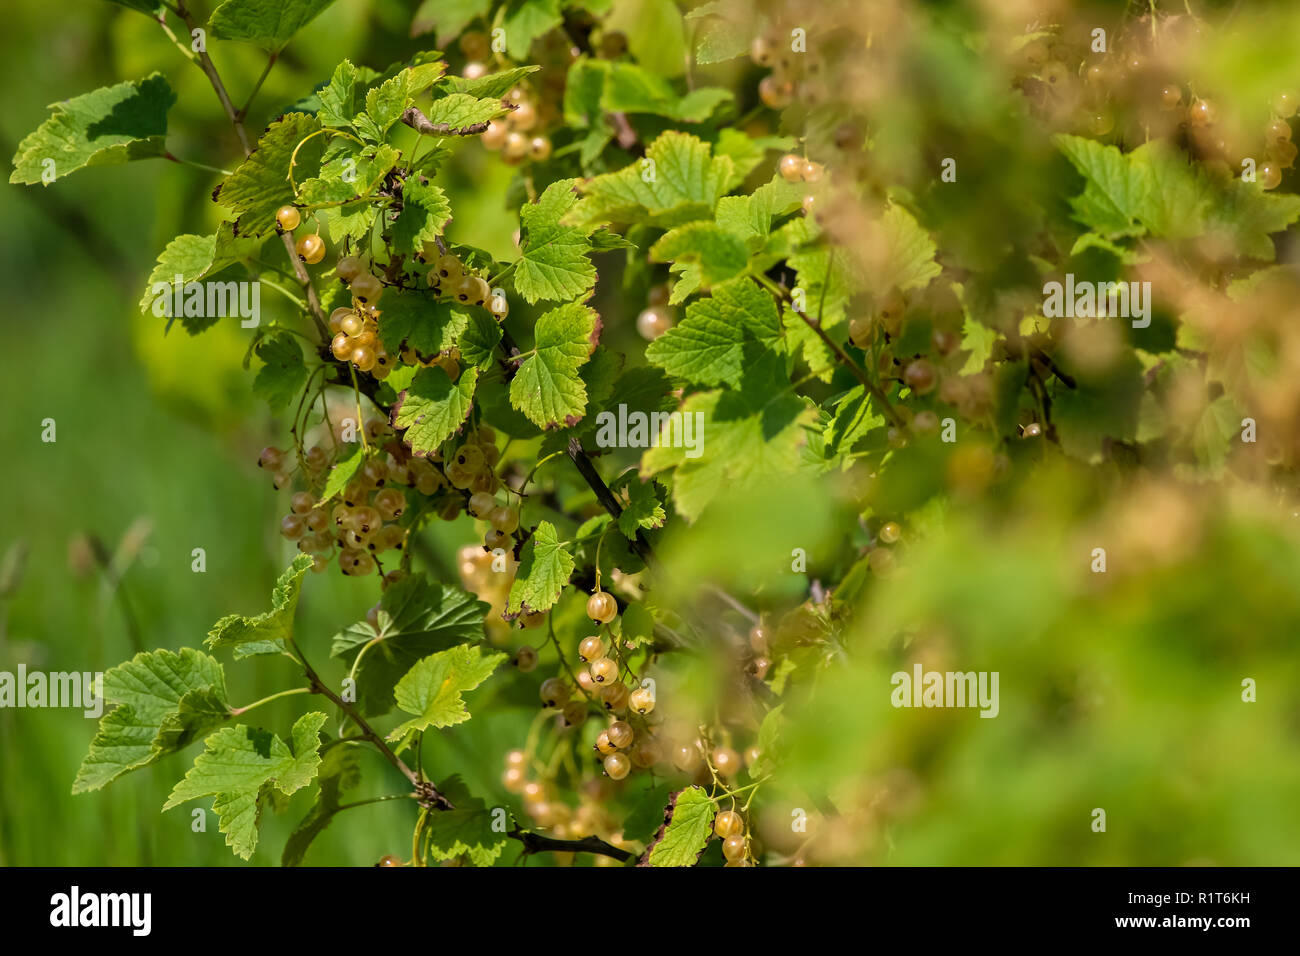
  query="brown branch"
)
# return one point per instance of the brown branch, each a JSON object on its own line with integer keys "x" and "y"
{"x": 536, "y": 843}
{"x": 237, "y": 121}
{"x": 605, "y": 496}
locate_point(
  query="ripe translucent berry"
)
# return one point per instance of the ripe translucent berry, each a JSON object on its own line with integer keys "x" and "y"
{"x": 1285, "y": 103}
{"x": 604, "y": 670}
{"x": 758, "y": 639}
{"x": 602, "y": 607}
{"x": 450, "y": 268}
{"x": 515, "y": 147}
{"x": 351, "y": 324}
{"x": 645, "y": 754}
{"x": 621, "y": 734}
{"x": 1278, "y": 131}
{"x": 499, "y": 305}
{"x": 539, "y": 149}
{"x": 288, "y": 218}
{"x": 317, "y": 519}
{"x": 1170, "y": 97}
{"x": 617, "y": 766}
{"x": 890, "y": 532}
{"x": 363, "y": 357}
{"x": 513, "y": 779}
{"x": 726, "y": 761}
{"x": 515, "y": 758}
{"x": 526, "y": 658}
{"x": 390, "y": 503}
{"x": 604, "y": 744}
{"x": 311, "y": 248}
{"x": 728, "y": 823}
{"x": 920, "y": 376}
{"x": 615, "y": 696}
{"x": 1202, "y": 113}
{"x": 653, "y": 322}
{"x": 388, "y": 860}
{"x": 585, "y": 681}
{"x": 791, "y": 167}
{"x": 367, "y": 288}
{"x": 481, "y": 504}
{"x": 270, "y": 458}
{"x": 494, "y": 136}
{"x": 642, "y": 700}
{"x": 1269, "y": 175}
{"x": 574, "y": 713}
{"x": 523, "y": 118}
{"x": 686, "y": 758}
{"x": 473, "y": 290}
{"x": 336, "y": 319}
{"x": 733, "y": 848}
{"x": 300, "y": 502}
{"x": 554, "y": 692}
{"x": 1032, "y": 430}
{"x": 292, "y": 527}
{"x": 348, "y": 268}
{"x": 504, "y": 519}
{"x": 811, "y": 172}
{"x": 591, "y": 648}
{"x": 776, "y": 94}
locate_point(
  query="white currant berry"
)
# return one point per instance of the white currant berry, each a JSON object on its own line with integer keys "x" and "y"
{"x": 602, "y": 607}
{"x": 367, "y": 288}
{"x": 615, "y": 696}
{"x": 734, "y": 847}
{"x": 621, "y": 734}
{"x": 348, "y": 268}
{"x": 604, "y": 670}
{"x": 554, "y": 692}
{"x": 728, "y": 823}
{"x": 642, "y": 700}
{"x": 726, "y": 761}
{"x": 292, "y": 527}
{"x": 526, "y": 658}
{"x": 791, "y": 167}
{"x": 617, "y": 766}
{"x": 311, "y": 248}
{"x": 591, "y": 648}
{"x": 288, "y": 218}
{"x": 604, "y": 744}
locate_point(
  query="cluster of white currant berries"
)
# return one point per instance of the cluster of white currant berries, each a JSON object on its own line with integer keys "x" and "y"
{"x": 311, "y": 247}
{"x": 510, "y": 133}
{"x": 796, "y": 169}
{"x": 449, "y": 278}
{"x": 793, "y": 74}
{"x": 356, "y": 339}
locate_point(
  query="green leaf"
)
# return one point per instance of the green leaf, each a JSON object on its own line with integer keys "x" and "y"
{"x": 453, "y": 833}
{"x": 284, "y": 372}
{"x": 425, "y": 212}
{"x": 547, "y": 388}
{"x": 719, "y": 337}
{"x": 491, "y": 86}
{"x": 481, "y": 337}
{"x": 554, "y": 261}
{"x": 416, "y": 618}
{"x": 747, "y": 153}
{"x": 148, "y": 691}
{"x": 643, "y": 509}
{"x": 344, "y": 96}
{"x": 238, "y": 762}
{"x": 627, "y": 88}
{"x": 908, "y": 261}
{"x": 743, "y": 439}
{"x": 340, "y": 770}
{"x": 853, "y": 419}
{"x": 342, "y": 473}
{"x": 656, "y": 36}
{"x": 525, "y": 21}
{"x": 717, "y": 39}
{"x": 768, "y": 743}
{"x": 687, "y": 827}
{"x": 260, "y": 185}
{"x": 464, "y": 115}
{"x": 431, "y": 690}
{"x": 1179, "y": 193}
{"x": 751, "y": 217}
{"x": 1115, "y": 191}
{"x": 271, "y": 628}
{"x": 269, "y": 24}
{"x": 432, "y": 408}
{"x": 545, "y": 566}
{"x": 681, "y": 182}
{"x": 193, "y": 258}
{"x": 1247, "y": 216}
{"x": 109, "y": 126}
{"x": 718, "y": 253}
{"x": 415, "y": 319}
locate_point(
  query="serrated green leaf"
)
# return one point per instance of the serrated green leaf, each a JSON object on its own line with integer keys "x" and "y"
{"x": 343, "y": 472}
{"x": 750, "y": 217}
{"x": 417, "y": 617}
{"x": 479, "y": 341}
{"x": 238, "y": 762}
{"x": 491, "y": 86}
{"x": 284, "y": 373}
{"x": 656, "y": 36}
{"x": 345, "y": 95}
{"x": 687, "y": 830}
{"x": 526, "y": 20}
{"x": 547, "y": 388}
{"x": 272, "y": 627}
{"x": 193, "y": 258}
{"x": 544, "y": 569}
{"x": 642, "y": 510}
{"x": 719, "y": 337}
{"x": 554, "y": 263}
{"x": 627, "y": 88}
{"x": 470, "y": 833}
{"x": 718, "y": 254}
{"x": 746, "y": 152}
{"x": 106, "y": 127}
{"x": 415, "y": 319}
{"x": 464, "y": 115}
{"x": 260, "y": 185}
{"x": 852, "y": 420}
{"x": 432, "y": 408}
{"x": 909, "y": 253}
{"x": 1115, "y": 191}
{"x": 431, "y": 690}
{"x": 681, "y": 182}
{"x": 768, "y": 743}
{"x": 148, "y": 691}
{"x": 425, "y": 212}
{"x": 269, "y": 24}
